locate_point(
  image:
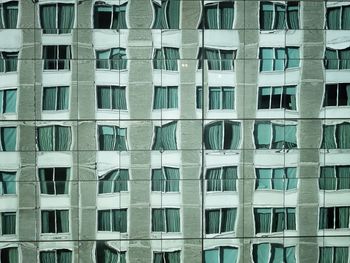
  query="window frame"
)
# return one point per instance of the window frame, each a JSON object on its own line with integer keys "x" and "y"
{"x": 335, "y": 219}
{"x": 56, "y": 99}
{"x": 56, "y": 223}
{"x": 222, "y": 123}
{"x": 56, "y": 250}
{"x": 271, "y": 244}
{"x": 2, "y": 183}
{"x": 16, "y": 138}
{"x": 163, "y": 61}
{"x": 164, "y": 180}
{"x": 335, "y": 177}
{"x": 164, "y": 254}
{"x": 5, "y": 59}
{"x": 220, "y": 249}
{"x": 339, "y": 60}
{"x": 340, "y": 7}
{"x": 54, "y": 182}
{"x": 115, "y": 128}
{"x": 109, "y": 60}
{"x": 111, "y": 90}
{"x": 57, "y": 60}
{"x": 222, "y": 182}
{"x": 113, "y": 192}
{"x": 155, "y": 2}
{"x": 110, "y": 212}
{"x": 271, "y": 180}
{"x": 3, "y": 103}
{"x": 154, "y": 136}
{"x": 11, "y": 213}
{"x": 165, "y": 230}
{"x": 335, "y": 137}
{"x": 221, "y": 209}
{"x": 339, "y": 86}
{"x": 274, "y": 59}
{"x": 203, "y": 60}
{"x": 333, "y": 252}
{"x": 2, "y": 14}
{"x": 103, "y": 3}
{"x": 202, "y": 25}
{"x": 221, "y": 90}
{"x": 53, "y": 139}
{"x": 282, "y": 99}
{"x": 167, "y": 107}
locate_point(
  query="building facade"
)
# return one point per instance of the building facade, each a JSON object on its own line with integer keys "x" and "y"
{"x": 171, "y": 131}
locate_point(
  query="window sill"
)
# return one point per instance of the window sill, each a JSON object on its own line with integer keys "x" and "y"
{"x": 221, "y": 235}
{"x": 278, "y": 234}
{"x": 111, "y": 70}
{"x": 55, "y": 236}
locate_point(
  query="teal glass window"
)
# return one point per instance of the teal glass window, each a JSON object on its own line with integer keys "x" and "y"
{"x": 337, "y": 94}
{"x": 8, "y": 136}
{"x": 336, "y": 136}
{"x": 8, "y": 101}
{"x": 55, "y": 98}
{"x": 334, "y": 217}
{"x": 7, "y": 183}
{"x": 218, "y": 15}
{"x": 273, "y": 252}
{"x": 279, "y": 59}
{"x": 7, "y": 223}
{"x": 338, "y": 18}
{"x": 221, "y": 254}
{"x": 166, "y": 179}
{"x": 54, "y": 181}
{"x": 337, "y": 58}
{"x": 166, "y": 58}
{"x": 277, "y": 97}
{"x": 107, "y": 253}
{"x": 163, "y": 257}
{"x": 165, "y": 220}
{"x": 276, "y": 178}
{"x": 222, "y": 135}
{"x": 334, "y": 177}
{"x": 221, "y": 179}
{"x": 165, "y": 97}
{"x": 333, "y": 254}
{"x": 216, "y": 59}
{"x": 165, "y": 137}
{"x": 57, "y": 57}
{"x": 114, "y": 220}
{"x": 111, "y": 98}
{"x": 279, "y": 16}
{"x": 112, "y": 138}
{"x": 111, "y": 59}
{"x": 270, "y": 220}
{"x": 57, "y": 18}
{"x": 57, "y": 255}
{"x": 221, "y": 220}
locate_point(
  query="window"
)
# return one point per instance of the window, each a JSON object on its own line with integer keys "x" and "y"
{"x": 115, "y": 181}
{"x": 57, "y": 57}
{"x": 166, "y": 14}
{"x": 281, "y": 97}
{"x": 55, "y": 98}
{"x": 165, "y": 97}
{"x": 217, "y": 59}
{"x": 8, "y": 15}
{"x": 8, "y": 139}
{"x": 269, "y": 135}
{"x": 8, "y": 223}
{"x": 337, "y": 58}
{"x": 222, "y": 135}
{"x": 111, "y": 138}
{"x": 274, "y": 15}
{"x": 8, "y": 101}
{"x": 109, "y": 16}
{"x": 219, "y": 221}
{"x": 334, "y": 217}
{"x": 112, "y": 59}
{"x": 54, "y": 221}
{"x": 337, "y": 95}
{"x": 276, "y": 178}
{"x": 106, "y": 254}
{"x": 8, "y": 61}
{"x": 221, "y": 98}
{"x": 58, "y": 255}
{"x": 336, "y": 136}
{"x": 277, "y": 59}
{"x": 221, "y": 179}
{"x": 338, "y": 17}
{"x": 165, "y": 220}
{"x": 270, "y": 252}
{"x": 165, "y": 137}
{"x": 199, "y": 97}
{"x": 54, "y": 181}
{"x": 167, "y": 257}
{"x": 7, "y": 183}
{"x": 333, "y": 254}
{"x": 111, "y": 97}
{"x": 334, "y": 177}
{"x": 166, "y": 179}
{"x": 114, "y": 220}
{"x": 269, "y": 220}
{"x": 166, "y": 58}
{"x": 57, "y": 18}
{"x": 54, "y": 138}
{"x": 9, "y": 255}
{"x": 218, "y": 16}
{"x": 221, "y": 255}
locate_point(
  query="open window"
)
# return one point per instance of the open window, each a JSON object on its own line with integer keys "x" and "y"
{"x": 165, "y": 220}
{"x": 222, "y": 135}
{"x": 166, "y": 179}
{"x": 111, "y": 138}
{"x": 7, "y": 223}
{"x": 276, "y": 15}
{"x": 56, "y": 255}
{"x": 106, "y": 253}
{"x": 165, "y": 97}
{"x": 166, "y": 58}
{"x": 166, "y": 14}
{"x": 55, "y": 98}
{"x": 114, "y": 220}
{"x": 277, "y": 97}
{"x": 55, "y": 221}
{"x": 336, "y": 136}
{"x": 272, "y": 252}
{"x": 270, "y": 220}
{"x": 111, "y": 97}
{"x": 8, "y": 61}
{"x": 338, "y": 17}
{"x": 334, "y": 177}
{"x": 111, "y": 59}
{"x": 114, "y": 181}
{"x": 221, "y": 179}
{"x": 279, "y": 59}
{"x": 337, "y": 58}
{"x": 216, "y": 59}
{"x": 7, "y": 183}
{"x": 57, "y": 18}
{"x": 8, "y": 101}
{"x": 9, "y": 254}
{"x": 165, "y": 137}
{"x": 54, "y": 138}
{"x": 54, "y": 181}
{"x": 109, "y": 16}
{"x": 334, "y": 217}
{"x": 57, "y": 57}
{"x": 8, "y": 139}
{"x": 8, "y": 15}
{"x": 221, "y": 220}
{"x": 333, "y": 254}
{"x": 337, "y": 95}
{"x": 218, "y": 15}
{"x": 221, "y": 254}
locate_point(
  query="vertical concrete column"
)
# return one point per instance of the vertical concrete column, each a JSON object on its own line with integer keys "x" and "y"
{"x": 140, "y": 132}
{"x": 310, "y": 96}
{"x": 191, "y": 134}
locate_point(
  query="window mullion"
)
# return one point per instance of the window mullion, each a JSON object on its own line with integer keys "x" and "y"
{"x": 340, "y": 17}
{"x": 166, "y": 97}
{"x": 56, "y": 256}
{"x": 273, "y": 16}
{"x": 281, "y": 97}
{"x": 334, "y": 217}
{"x": 54, "y": 180}
{"x": 338, "y": 58}
{"x": 112, "y": 17}
{"x": 221, "y": 95}
{"x": 270, "y": 97}
{"x": 165, "y": 14}
{"x": 272, "y": 215}
{"x": 54, "y": 127}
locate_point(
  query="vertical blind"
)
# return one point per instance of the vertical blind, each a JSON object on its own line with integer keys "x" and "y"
{"x": 165, "y": 97}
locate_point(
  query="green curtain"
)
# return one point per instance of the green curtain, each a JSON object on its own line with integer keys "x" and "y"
{"x": 65, "y": 18}
{"x": 290, "y": 136}
{"x": 328, "y": 140}
{"x": 168, "y": 135}
{"x": 7, "y": 183}
{"x": 346, "y": 18}
{"x": 1, "y": 12}
{"x": 343, "y": 135}
{"x": 8, "y": 139}
{"x": 64, "y": 256}
{"x": 289, "y": 254}
{"x": 48, "y": 18}
{"x": 213, "y": 179}
{"x": 277, "y": 253}
{"x": 172, "y": 219}
{"x": 293, "y": 15}
{"x": 325, "y": 220}
{"x": 8, "y": 223}
{"x": 262, "y": 220}
{"x": 120, "y": 138}
{"x": 45, "y": 178}
{"x": 105, "y": 184}
{"x": 119, "y": 220}
{"x": 158, "y": 258}
{"x": 232, "y": 135}
{"x": 280, "y": 16}
{"x": 199, "y": 97}
{"x": 213, "y": 58}
{"x": 326, "y": 254}
{"x": 261, "y": 253}
{"x": 158, "y": 220}
{"x": 104, "y": 220}
{"x": 158, "y": 59}
{"x": 10, "y": 14}
{"x": 227, "y": 59}
{"x": 214, "y": 98}
{"x": 118, "y": 58}
{"x": 160, "y": 98}
{"x": 118, "y": 98}
{"x": 61, "y": 180}
{"x": 264, "y": 176}
{"x": 63, "y": 138}
{"x": 62, "y": 221}
{"x": 47, "y": 217}
{"x": 2, "y": 61}
{"x": 228, "y": 219}
{"x": 102, "y": 59}
{"x": 331, "y": 59}
{"x": 229, "y": 177}
{"x": 343, "y": 217}
{"x": 344, "y": 56}
{"x": 157, "y": 144}
{"x": 343, "y": 177}
{"x": 278, "y": 219}
{"x": 158, "y": 180}
{"x": 173, "y": 14}
{"x": 106, "y": 138}
{"x": 341, "y": 254}
{"x": 159, "y": 21}
{"x": 172, "y": 257}
{"x": 292, "y": 181}
{"x": 47, "y": 257}
{"x": 119, "y": 18}
{"x": 291, "y": 224}
{"x": 333, "y": 18}
{"x": 172, "y": 179}
{"x": 211, "y": 256}
{"x": 266, "y": 15}
{"x": 228, "y": 98}
{"x": 228, "y": 255}
{"x": 266, "y": 59}
{"x": 226, "y": 10}
{"x": 11, "y": 60}
{"x": 213, "y": 136}
{"x": 279, "y": 62}
{"x": 278, "y": 179}
{"x": 290, "y": 92}
{"x": 121, "y": 180}
{"x": 62, "y": 98}
{"x": 49, "y": 98}
{"x": 293, "y": 57}
{"x": 212, "y": 218}
{"x": 348, "y": 94}
{"x": 104, "y": 97}
{"x": 262, "y": 135}
{"x": 210, "y": 16}
{"x": 172, "y": 97}
{"x": 171, "y": 58}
